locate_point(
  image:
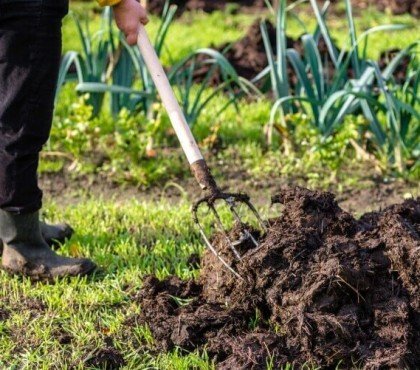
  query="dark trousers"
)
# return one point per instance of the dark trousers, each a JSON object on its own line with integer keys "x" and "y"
{"x": 30, "y": 51}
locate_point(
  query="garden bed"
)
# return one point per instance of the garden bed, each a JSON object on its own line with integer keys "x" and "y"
{"x": 323, "y": 289}
{"x": 394, "y": 6}
{"x": 249, "y": 57}
{"x": 156, "y": 6}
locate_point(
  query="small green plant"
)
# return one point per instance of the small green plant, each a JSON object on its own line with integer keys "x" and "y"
{"x": 255, "y": 320}
{"x": 76, "y": 133}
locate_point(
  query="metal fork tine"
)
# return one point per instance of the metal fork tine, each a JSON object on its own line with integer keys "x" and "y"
{"x": 256, "y": 214}
{"x": 252, "y": 238}
{"x": 212, "y": 249}
{"x": 238, "y": 218}
{"x": 232, "y": 201}
{"x": 222, "y": 228}
{"x": 236, "y": 215}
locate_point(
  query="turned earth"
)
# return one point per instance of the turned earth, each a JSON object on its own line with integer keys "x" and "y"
{"x": 323, "y": 288}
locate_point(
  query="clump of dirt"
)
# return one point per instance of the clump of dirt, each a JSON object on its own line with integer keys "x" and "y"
{"x": 62, "y": 337}
{"x": 323, "y": 288}
{"x": 107, "y": 358}
{"x": 4, "y": 314}
{"x": 247, "y": 55}
{"x": 193, "y": 261}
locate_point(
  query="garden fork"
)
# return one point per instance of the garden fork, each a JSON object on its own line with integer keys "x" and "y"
{"x": 196, "y": 160}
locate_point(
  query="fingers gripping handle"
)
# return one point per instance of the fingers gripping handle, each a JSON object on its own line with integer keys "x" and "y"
{"x": 177, "y": 117}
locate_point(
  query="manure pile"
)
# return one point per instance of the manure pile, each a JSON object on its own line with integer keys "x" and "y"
{"x": 323, "y": 288}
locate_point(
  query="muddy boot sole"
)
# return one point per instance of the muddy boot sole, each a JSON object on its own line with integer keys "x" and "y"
{"x": 39, "y": 273}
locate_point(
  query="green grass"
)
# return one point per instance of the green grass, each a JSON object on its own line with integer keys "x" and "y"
{"x": 128, "y": 241}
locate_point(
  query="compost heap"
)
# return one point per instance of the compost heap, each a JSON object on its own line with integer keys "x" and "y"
{"x": 323, "y": 288}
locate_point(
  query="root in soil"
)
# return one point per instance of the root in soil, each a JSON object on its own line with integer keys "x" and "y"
{"x": 323, "y": 288}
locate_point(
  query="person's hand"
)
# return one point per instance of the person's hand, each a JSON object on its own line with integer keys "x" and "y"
{"x": 128, "y": 14}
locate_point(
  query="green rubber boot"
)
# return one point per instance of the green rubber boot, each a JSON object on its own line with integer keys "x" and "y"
{"x": 55, "y": 234}
{"x": 26, "y": 253}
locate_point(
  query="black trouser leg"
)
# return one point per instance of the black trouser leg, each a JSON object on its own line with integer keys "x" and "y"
{"x": 30, "y": 50}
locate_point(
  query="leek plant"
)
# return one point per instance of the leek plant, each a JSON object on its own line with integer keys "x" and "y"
{"x": 195, "y": 98}
{"x": 134, "y": 60}
{"x": 109, "y": 65}
{"x": 91, "y": 64}
{"x": 192, "y": 98}
{"x": 402, "y": 118}
{"x": 327, "y": 100}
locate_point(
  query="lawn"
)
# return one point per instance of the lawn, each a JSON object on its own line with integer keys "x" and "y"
{"x": 57, "y": 326}
{"x": 127, "y": 224}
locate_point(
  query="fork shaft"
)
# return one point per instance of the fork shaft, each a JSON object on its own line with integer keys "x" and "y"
{"x": 204, "y": 177}
{"x": 177, "y": 117}
{"x": 189, "y": 145}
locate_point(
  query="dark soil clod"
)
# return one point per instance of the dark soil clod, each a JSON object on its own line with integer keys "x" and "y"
{"x": 193, "y": 261}
{"x": 323, "y": 288}
{"x": 4, "y": 314}
{"x": 107, "y": 358}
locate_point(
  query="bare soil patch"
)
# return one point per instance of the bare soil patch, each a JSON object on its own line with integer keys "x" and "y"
{"x": 323, "y": 288}
{"x": 67, "y": 189}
